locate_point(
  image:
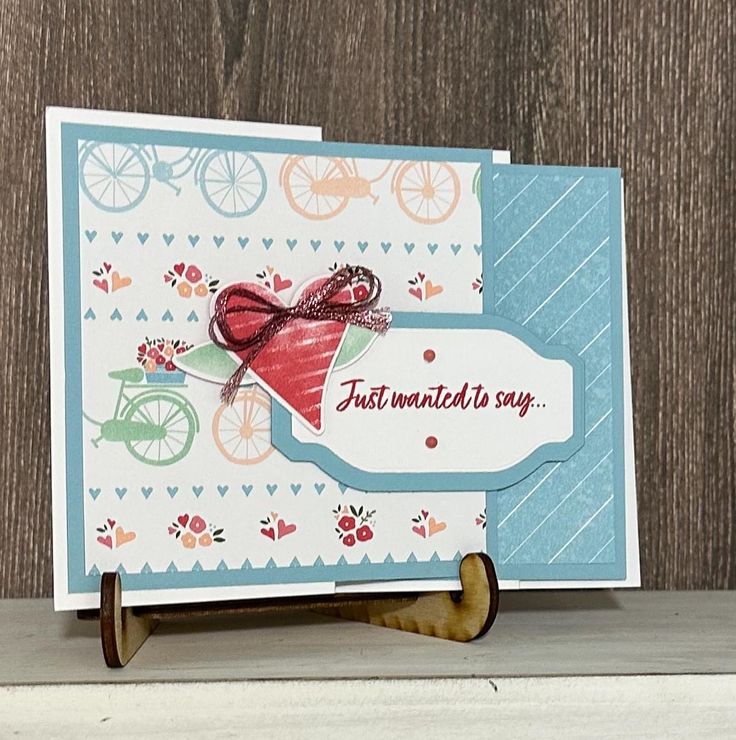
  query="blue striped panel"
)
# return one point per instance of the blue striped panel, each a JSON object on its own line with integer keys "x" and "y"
{"x": 555, "y": 264}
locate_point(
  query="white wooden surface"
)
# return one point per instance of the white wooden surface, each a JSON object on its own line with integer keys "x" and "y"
{"x": 574, "y": 664}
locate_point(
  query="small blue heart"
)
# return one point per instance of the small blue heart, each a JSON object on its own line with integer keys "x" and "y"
{"x": 95, "y": 492}
{"x": 172, "y": 490}
{"x": 409, "y": 247}
{"x": 146, "y": 569}
{"x": 141, "y": 316}
{"x": 121, "y": 492}
{"x": 316, "y": 243}
{"x": 386, "y": 246}
{"x": 197, "y": 490}
{"x": 432, "y": 248}
{"x": 222, "y": 490}
{"x": 362, "y": 246}
{"x": 271, "y": 488}
{"x": 291, "y": 243}
{"x": 246, "y": 489}
{"x": 295, "y": 488}
{"x": 116, "y": 316}
{"x": 456, "y": 248}
{"x": 267, "y": 243}
{"x": 193, "y": 239}
{"x": 146, "y": 491}
{"x": 193, "y": 316}
{"x": 117, "y": 236}
{"x": 218, "y": 240}
{"x": 90, "y": 314}
{"x": 168, "y": 238}
{"x": 243, "y": 241}
{"x": 342, "y": 487}
{"x": 143, "y": 237}
{"x": 90, "y": 235}
{"x": 167, "y": 316}
{"x": 477, "y": 248}
{"x": 319, "y": 487}
{"x": 339, "y": 245}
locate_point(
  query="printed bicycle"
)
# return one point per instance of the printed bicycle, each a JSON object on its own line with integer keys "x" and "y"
{"x": 116, "y": 177}
{"x": 242, "y": 431}
{"x": 156, "y": 424}
{"x": 320, "y": 188}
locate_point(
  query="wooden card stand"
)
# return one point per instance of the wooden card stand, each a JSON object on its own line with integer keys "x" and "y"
{"x": 461, "y": 616}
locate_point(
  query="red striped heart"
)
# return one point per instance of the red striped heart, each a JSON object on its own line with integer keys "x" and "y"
{"x": 296, "y": 363}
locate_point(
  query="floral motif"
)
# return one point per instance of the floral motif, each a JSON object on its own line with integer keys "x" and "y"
{"x": 354, "y": 524}
{"x": 480, "y": 520}
{"x": 155, "y": 355}
{"x": 190, "y": 280}
{"x": 190, "y": 531}
{"x": 477, "y": 284}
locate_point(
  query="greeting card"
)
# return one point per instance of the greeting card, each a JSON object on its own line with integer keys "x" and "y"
{"x": 284, "y": 366}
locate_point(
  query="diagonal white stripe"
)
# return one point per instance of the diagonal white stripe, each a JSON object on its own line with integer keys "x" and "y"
{"x": 551, "y": 249}
{"x": 562, "y": 549}
{"x": 538, "y": 221}
{"x": 601, "y": 550}
{"x": 577, "y": 310}
{"x": 563, "y": 283}
{"x": 594, "y": 339}
{"x": 515, "y": 197}
{"x": 592, "y": 382}
{"x": 562, "y": 501}
{"x": 599, "y": 422}
{"x": 552, "y": 470}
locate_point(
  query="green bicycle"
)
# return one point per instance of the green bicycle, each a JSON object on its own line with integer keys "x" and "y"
{"x": 157, "y": 425}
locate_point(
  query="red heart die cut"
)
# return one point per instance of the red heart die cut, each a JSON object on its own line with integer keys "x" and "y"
{"x": 295, "y": 364}
{"x": 183, "y": 519}
{"x": 269, "y": 533}
{"x": 285, "y": 529}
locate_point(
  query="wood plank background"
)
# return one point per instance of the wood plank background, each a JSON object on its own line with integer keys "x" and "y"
{"x": 646, "y": 86}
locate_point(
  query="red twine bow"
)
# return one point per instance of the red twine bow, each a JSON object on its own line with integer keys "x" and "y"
{"x": 317, "y": 305}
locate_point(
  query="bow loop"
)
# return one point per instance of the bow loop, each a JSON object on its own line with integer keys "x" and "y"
{"x": 328, "y": 302}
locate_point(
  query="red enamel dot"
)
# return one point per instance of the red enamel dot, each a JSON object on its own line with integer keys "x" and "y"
{"x": 431, "y": 442}
{"x": 429, "y": 355}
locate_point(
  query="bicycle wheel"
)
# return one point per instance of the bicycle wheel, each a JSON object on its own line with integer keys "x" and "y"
{"x": 476, "y": 184}
{"x": 428, "y": 192}
{"x": 242, "y": 432}
{"x": 170, "y": 411}
{"x": 115, "y": 177}
{"x": 233, "y": 183}
{"x": 312, "y": 187}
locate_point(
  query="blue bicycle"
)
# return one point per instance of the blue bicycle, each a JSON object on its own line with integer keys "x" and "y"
{"x": 116, "y": 177}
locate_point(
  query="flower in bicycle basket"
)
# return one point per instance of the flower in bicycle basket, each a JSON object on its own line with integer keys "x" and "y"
{"x": 155, "y": 355}
{"x": 189, "y": 279}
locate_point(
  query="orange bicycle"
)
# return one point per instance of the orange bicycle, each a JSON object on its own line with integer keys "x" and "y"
{"x": 320, "y": 188}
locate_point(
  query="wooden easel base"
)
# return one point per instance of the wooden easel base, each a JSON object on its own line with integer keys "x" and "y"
{"x": 460, "y": 616}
